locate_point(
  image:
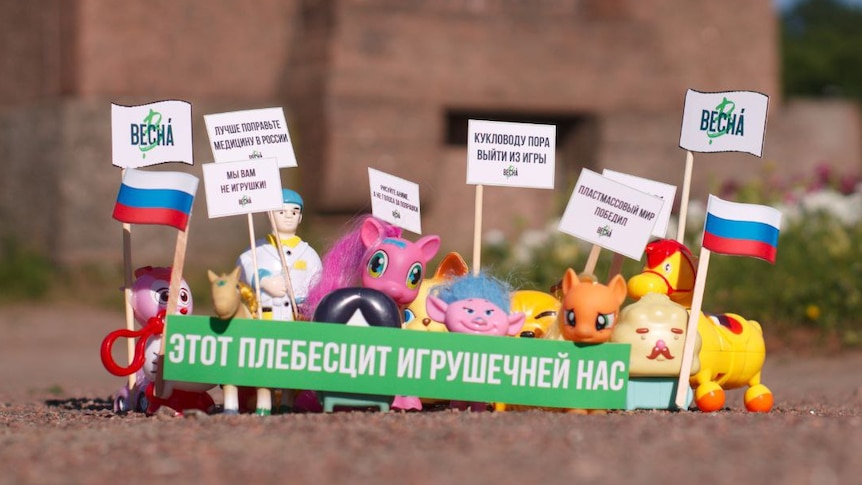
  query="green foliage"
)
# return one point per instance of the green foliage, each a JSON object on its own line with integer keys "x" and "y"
{"x": 816, "y": 281}
{"x": 24, "y": 274}
{"x": 820, "y": 49}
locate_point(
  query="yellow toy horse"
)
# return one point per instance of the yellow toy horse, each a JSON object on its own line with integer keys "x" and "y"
{"x": 732, "y": 348}
{"x": 235, "y": 299}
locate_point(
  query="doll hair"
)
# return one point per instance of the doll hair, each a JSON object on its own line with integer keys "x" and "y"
{"x": 481, "y": 286}
{"x": 342, "y": 264}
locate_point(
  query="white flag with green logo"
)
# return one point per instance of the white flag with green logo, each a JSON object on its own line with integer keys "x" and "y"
{"x": 730, "y": 121}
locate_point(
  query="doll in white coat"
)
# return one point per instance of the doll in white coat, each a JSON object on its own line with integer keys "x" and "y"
{"x": 303, "y": 262}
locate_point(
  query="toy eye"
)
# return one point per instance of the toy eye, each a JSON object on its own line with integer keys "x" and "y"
{"x": 162, "y": 296}
{"x": 667, "y": 268}
{"x": 488, "y": 313}
{"x": 469, "y": 311}
{"x": 378, "y": 263}
{"x": 604, "y": 321}
{"x": 414, "y": 276}
{"x": 570, "y": 317}
{"x": 409, "y": 316}
{"x": 546, "y": 314}
{"x": 184, "y": 295}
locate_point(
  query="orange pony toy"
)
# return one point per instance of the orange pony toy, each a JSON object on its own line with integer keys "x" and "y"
{"x": 588, "y": 309}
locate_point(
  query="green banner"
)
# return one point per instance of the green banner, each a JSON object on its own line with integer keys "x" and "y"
{"x": 385, "y": 361}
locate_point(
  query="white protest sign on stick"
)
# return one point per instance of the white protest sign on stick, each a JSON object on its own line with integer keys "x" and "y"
{"x": 144, "y": 135}
{"x": 665, "y": 192}
{"x": 150, "y": 134}
{"x": 242, "y": 187}
{"x": 727, "y": 121}
{"x": 250, "y": 134}
{"x": 610, "y": 214}
{"x": 395, "y": 200}
{"x": 510, "y": 155}
{"x": 255, "y": 135}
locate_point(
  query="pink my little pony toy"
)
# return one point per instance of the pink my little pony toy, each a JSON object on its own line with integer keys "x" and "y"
{"x": 374, "y": 255}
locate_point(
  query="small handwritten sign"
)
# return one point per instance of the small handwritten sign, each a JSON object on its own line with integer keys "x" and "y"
{"x": 511, "y": 154}
{"x": 250, "y": 134}
{"x": 610, "y": 214}
{"x": 395, "y": 200}
{"x": 242, "y": 187}
{"x": 665, "y": 192}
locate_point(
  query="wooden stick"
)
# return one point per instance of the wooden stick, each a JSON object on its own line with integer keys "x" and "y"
{"x": 256, "y": 276}
{"x": 691, "y": 332}
{"x": 683, "y": 202}
{"x": 127, "y": 296}
{"x": 173, "y": 297}
{"x": 592, "y": 260}
{"x": 477, "y": 231}
{"x": 287, "y": 281}
{"x": 616, "y": 265}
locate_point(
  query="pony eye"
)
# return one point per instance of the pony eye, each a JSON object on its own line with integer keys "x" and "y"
{"x": 409, "y": 316}
{"x": 414, "y": 276}
{"x": 604, "y": 321}
{"x": 378, "y": 263}
{"x": 570, "y": 317}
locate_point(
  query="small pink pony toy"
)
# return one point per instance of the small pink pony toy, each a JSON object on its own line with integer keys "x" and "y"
{"x": 374, "y": 255}
{"x": 149, "y": 301}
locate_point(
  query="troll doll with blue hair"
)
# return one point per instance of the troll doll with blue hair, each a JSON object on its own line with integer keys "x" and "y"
{"x": 477, "y": 304}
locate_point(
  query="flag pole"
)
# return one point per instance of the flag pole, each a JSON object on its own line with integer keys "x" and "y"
{"x": 287, "y": 281}
{"x": 256, "y": 276}
{"x": 127, "y": 293}
{"x": 127, "y": 296}
{"x": 173, "y": 297}
{"x": 683, "y": 202}
{"x": 691, "y": 331}
{"x": 477, "y": 230}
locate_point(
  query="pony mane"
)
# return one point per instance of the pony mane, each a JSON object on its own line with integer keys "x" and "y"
{"x": 247, "y": 296}
{"x": 480, "y": 286}
{"x": 661, "y": 249}
{"x": 341, "y": 264}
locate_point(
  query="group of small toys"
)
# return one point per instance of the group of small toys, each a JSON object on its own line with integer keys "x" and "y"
{"x": 650, "y": 329}
{"x": 374, "y": 272}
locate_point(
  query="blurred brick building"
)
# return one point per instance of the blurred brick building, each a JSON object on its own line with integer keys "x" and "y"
{"x": 383, "y": 83}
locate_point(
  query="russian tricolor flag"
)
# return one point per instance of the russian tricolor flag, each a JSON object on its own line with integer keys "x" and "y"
{"x": 741, "y": 229}
{"x": 156, "y": 198}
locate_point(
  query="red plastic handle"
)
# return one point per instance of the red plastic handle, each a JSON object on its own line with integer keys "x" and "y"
{"x": 154, "y": 326}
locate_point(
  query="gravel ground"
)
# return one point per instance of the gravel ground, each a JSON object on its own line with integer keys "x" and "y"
{"x": 57, "y": 427}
